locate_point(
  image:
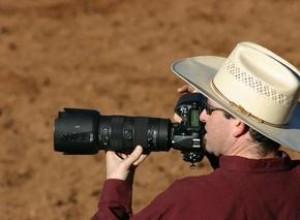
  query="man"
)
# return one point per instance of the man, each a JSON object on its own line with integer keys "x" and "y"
{"x": 252, "y": 108}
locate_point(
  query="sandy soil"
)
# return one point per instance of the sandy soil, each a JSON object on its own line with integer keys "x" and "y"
{"x": 113, "y": 56}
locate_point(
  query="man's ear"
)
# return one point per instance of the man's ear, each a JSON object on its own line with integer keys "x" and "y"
{"x": 239, "y": 127}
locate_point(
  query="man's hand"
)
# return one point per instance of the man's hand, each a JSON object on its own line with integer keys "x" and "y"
{"x": 122, "y": 166}
{"x": 187, "y": 89}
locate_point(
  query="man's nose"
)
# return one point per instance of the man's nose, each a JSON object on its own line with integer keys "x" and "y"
{"x": 203, "y": 116}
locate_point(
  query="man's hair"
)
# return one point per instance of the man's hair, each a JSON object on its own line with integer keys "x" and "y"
{"x": 267, "y": 145}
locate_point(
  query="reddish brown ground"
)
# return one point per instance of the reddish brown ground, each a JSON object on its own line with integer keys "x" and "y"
{"x": 113, "y": 56}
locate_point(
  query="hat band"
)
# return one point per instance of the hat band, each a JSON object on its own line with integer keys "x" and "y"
{"x": 242, "y": 110}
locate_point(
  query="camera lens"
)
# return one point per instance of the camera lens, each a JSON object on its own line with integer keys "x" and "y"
{"x": 79, "y": 131}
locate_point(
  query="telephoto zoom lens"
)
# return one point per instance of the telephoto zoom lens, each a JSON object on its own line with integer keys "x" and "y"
{"x": 85, "y": 131}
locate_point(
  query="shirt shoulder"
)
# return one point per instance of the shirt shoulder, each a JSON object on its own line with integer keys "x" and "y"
{"x": 211, "y": 187}
{"x": 184, "y": 197}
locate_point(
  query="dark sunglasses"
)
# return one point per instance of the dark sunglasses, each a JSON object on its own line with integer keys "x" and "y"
{"x": 209, "y": 109}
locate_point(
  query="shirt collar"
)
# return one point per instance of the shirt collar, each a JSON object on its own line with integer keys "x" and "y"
{"x": 236, "y": 163}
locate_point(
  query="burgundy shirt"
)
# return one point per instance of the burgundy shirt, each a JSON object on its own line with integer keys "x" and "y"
{"x": 267, "y": 189}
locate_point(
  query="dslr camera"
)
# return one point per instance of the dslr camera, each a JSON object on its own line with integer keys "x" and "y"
{"x": 86, "y": 131}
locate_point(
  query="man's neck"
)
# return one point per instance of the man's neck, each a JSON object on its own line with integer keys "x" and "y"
{"x": 245, "y": 147}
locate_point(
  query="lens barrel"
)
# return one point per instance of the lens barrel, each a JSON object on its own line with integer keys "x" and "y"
{"x": 81, "y": 131}
{"x": 123, "y": 133}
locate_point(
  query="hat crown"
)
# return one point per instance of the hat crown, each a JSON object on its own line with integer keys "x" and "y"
{"x": 259, "y": 82}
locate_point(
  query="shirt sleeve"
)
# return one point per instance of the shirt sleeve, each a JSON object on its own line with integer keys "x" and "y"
{"x": 173, "y": 203}
{"x": 115, "y": 201}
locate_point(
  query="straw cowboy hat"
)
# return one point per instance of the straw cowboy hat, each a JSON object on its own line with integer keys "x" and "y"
{"x": 253, "y": 84}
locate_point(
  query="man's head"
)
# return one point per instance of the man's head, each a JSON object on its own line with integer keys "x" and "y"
{"x": 228, "y": 135}
{"x": 257, "y": 87}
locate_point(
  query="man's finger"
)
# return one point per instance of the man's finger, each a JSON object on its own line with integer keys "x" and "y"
{"x": 133, "y": 157}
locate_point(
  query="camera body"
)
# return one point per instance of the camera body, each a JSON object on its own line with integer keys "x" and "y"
{"x": 188, "y": 134}
{"x": 86, "y": 131}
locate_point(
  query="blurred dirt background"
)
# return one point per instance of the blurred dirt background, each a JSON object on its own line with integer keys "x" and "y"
{"x": 114, "y": 56}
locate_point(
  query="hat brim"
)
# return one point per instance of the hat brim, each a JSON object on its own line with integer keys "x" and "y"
{"x": 199, "y": 72}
